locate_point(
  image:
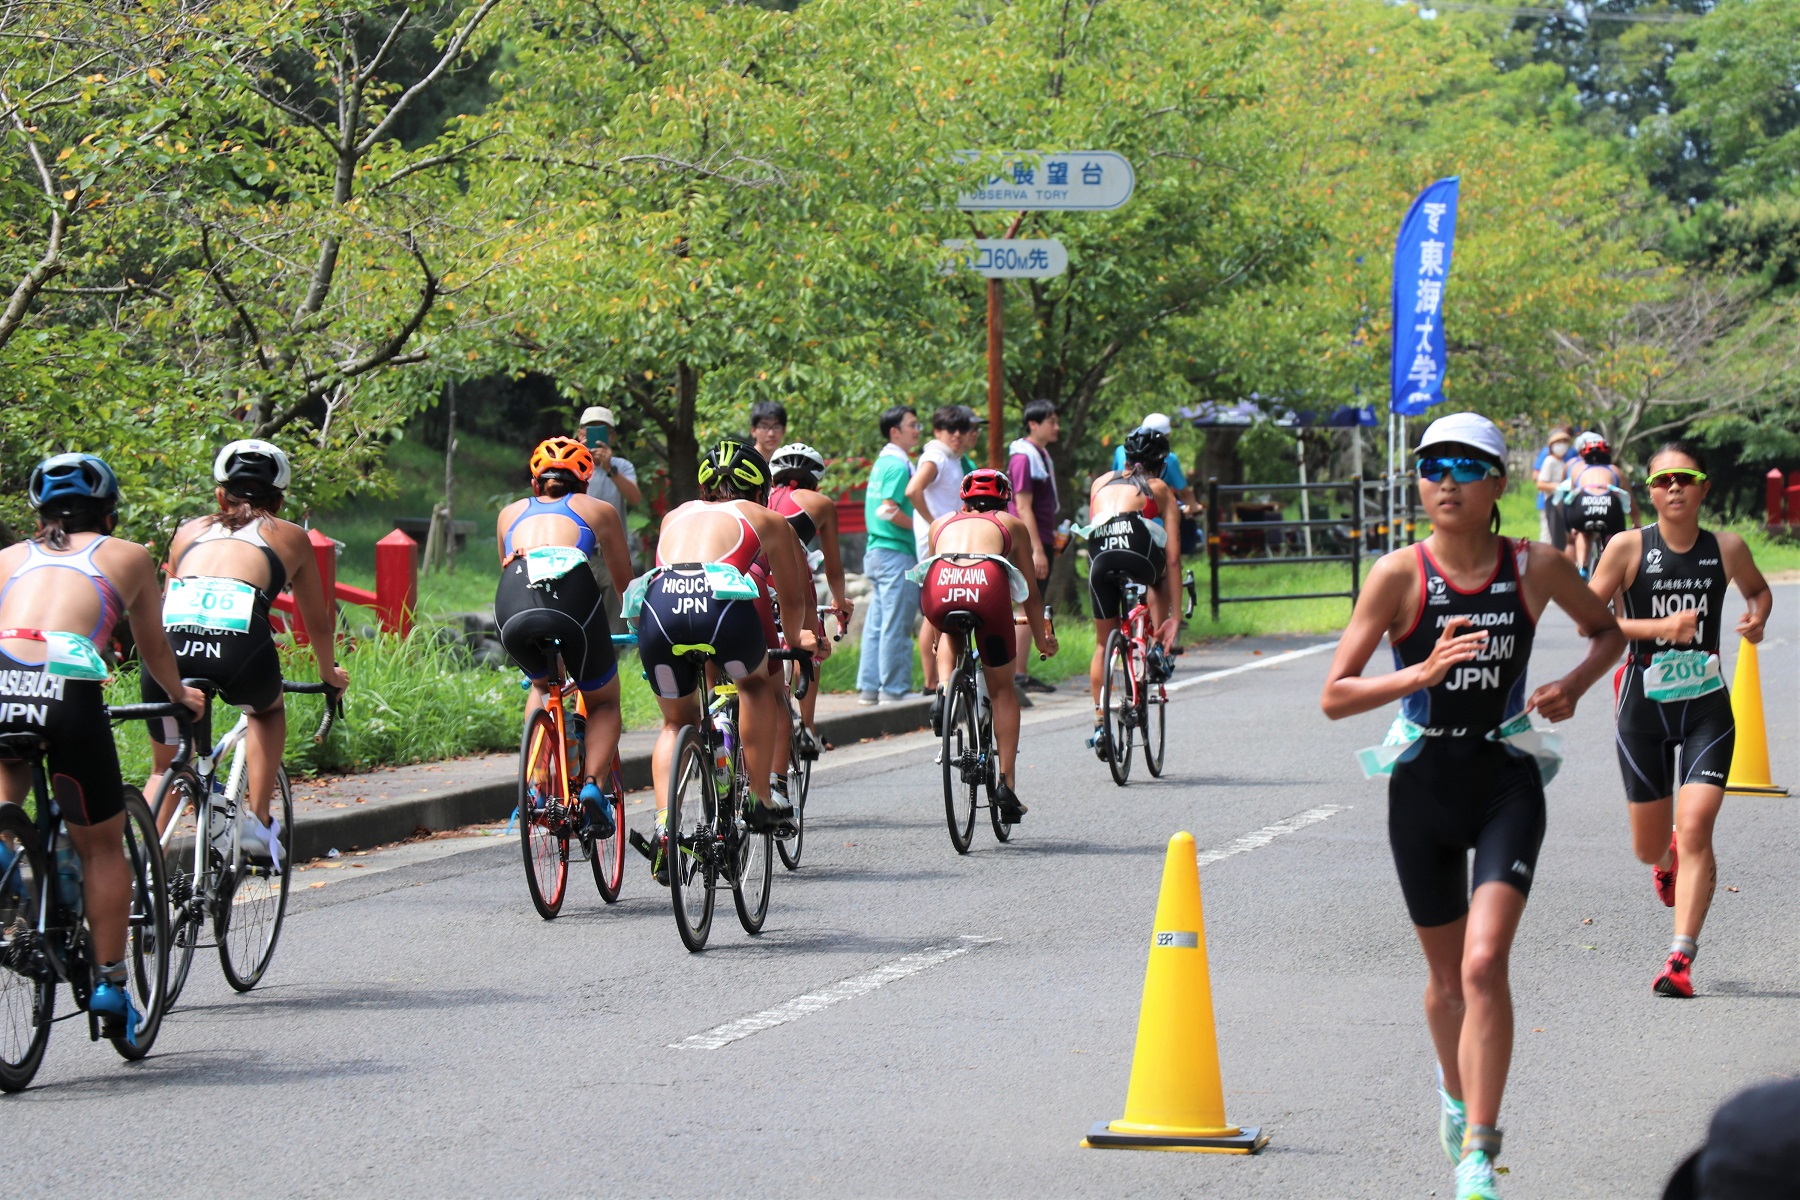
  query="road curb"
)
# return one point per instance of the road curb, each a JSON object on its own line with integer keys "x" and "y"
{"x": 481, "y": 803}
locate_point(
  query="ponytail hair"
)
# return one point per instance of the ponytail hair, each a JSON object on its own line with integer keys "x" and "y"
{"x": 241, "y": 503}
{"x": 74, "y": 514}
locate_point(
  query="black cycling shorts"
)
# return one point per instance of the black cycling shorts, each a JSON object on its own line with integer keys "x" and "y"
{"x": 567, "y": 609}
{"x": 1121, "y": 551}
{"x": 1604, "y": 514}
{"x": 1650, "y": 733}
{"x": 1456, "y": 795}
{"x": 680, "y": 610}
{"x": 70, "y": 715}
{"x": 244, "y": 667}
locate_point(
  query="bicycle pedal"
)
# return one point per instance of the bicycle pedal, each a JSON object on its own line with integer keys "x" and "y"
{"x": 641, "y": 844}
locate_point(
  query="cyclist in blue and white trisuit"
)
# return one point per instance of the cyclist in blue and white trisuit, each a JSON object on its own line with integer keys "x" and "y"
{"x": 65, "y": 590}
{"x": 1669, "y": 580}
{"x": 548, "y": 591}
{"x": 1460, "y": 610}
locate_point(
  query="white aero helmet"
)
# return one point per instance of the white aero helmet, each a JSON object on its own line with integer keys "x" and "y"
{"x": 251, "y": 461}
{"x": 797, "y": 456}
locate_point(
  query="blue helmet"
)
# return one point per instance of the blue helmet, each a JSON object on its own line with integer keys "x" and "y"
{"x": 71, "y": 476}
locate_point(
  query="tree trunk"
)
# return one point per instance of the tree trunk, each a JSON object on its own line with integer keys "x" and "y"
{"x": 684, "y": 446}
{"x": 450, "y": 477}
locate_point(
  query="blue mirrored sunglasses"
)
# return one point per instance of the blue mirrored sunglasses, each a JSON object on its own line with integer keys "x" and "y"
{"x": 1463, "y": 470}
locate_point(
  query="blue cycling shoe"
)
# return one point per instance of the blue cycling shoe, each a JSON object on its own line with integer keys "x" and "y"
{"x": 599, "y": 810}
{"x": 118, "y": 1017}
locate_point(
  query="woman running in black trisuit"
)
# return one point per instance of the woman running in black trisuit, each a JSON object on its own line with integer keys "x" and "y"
{"x": 1670, "y": 579}
{"x": 1460, "y": 610}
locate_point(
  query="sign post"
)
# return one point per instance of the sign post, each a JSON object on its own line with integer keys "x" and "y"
{"x": 1034, "y": 181}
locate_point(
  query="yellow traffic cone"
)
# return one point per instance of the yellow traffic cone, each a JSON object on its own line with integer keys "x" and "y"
{"x": 1750, "y": 759}
{"x": 1176, "y": 1100}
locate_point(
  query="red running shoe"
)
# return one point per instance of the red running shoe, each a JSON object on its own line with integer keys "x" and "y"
{"x": 1674, "y": 980}
{"x": 1665, "y": 880}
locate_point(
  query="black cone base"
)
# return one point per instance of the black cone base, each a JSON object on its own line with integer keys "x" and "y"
{"x": 1248, "y": 1141}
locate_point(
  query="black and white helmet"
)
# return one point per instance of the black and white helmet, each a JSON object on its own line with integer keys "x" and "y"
{"x": 253, "y": 462}
{"x": 798, "y": 456}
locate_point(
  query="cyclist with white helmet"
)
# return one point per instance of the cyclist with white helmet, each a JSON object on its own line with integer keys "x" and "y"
{"x": 225, "y": 570}
{"x": 65, "y": 590}
{"x": 796, "y": 496}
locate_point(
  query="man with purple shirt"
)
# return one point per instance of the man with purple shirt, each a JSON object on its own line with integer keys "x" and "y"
{"x": 1034, "y": 499}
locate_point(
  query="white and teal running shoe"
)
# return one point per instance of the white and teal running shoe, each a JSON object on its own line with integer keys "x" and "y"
{"x": 1453, "y": 1122}
{"x": 1475, "y": 1178}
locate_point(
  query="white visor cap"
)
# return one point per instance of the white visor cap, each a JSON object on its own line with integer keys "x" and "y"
{"x": 1466, "y": 429}
{"x": 1158, "y": 422}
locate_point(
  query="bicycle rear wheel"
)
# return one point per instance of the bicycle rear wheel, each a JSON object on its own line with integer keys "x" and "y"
{"x": 1116, "y": 707}
{"x": 1152, "y": 716}
{"x": 608, "y": 856}
{"x": 543, "y": 798}
{"x": 692, "y": 857}
{"x": 27, "y": 986}
{"x": 752, "y": 854}
{"x": 960, "y": 752}
{"x": 799, "y": 783}
{"x": 177, "y": 808}
{"x": 147, "y": 934}
{"x": 253, "y": 898}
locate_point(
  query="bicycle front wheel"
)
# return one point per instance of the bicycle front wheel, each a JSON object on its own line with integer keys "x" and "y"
{"x": 253, "y": 898}
{"x": 178, "y": 810}
{"x": 960, "y": 754}
{"x": 692, "y": 856}
{"x": 147, "y": 934}
{"x": 799, "y": 783}
{"x": 543, "y": 799}
{"x": 1117, "y": 709}
{"x": 1151, "y": 719}
{"x": 608, "y": 857}
{"x": 27, "y": 986}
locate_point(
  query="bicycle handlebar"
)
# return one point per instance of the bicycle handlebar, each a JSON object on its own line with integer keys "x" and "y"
{"x": 805, "y": 659}
{"x": 334, "y": 704}
{"x": 624, "y": 639}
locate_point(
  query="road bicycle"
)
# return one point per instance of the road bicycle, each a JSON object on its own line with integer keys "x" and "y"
{"x": 1132, "y": 704}
{"x": 552, "y": 755}
{"x": 214, "y": 879}
{"x": 969, "y": 755}
{"x": 703, "y": 837}
{"x": 803, "y": 752}
{"x": 44, "y": 938}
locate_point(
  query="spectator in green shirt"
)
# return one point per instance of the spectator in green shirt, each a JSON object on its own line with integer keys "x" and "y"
{"x": 885, "y": 671}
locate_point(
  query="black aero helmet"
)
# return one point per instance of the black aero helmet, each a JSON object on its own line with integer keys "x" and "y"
{"x": 1149, "y": 447}
{"x": 737, "y": 466}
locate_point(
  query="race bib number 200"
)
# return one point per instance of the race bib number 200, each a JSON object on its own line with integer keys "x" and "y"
{"x": 209, "y": 605}
{"x": 1682, "y": 675}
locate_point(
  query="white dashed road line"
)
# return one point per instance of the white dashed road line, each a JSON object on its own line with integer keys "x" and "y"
{"x": 1268, "y": 833}
{"x": 832, "y": 993}
{"x": 1251, "y": 666}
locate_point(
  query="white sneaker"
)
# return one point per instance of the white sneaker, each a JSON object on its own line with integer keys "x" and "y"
{"x": 259, "y": 840}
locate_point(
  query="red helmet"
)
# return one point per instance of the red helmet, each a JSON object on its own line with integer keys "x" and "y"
{"x": 985, "y": 483}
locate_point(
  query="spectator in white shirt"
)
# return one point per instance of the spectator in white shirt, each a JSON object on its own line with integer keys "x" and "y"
{"x": 936, "y": 489}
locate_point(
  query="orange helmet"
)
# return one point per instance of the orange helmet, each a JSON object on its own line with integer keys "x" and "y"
{"x": 565, "y": 454}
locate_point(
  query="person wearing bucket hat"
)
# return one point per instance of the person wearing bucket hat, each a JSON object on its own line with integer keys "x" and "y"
{"x": 1467, "y": 772}
{"x": 614, "y": 479}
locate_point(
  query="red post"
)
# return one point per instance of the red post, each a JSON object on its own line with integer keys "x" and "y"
{"x": 396, "y": 581}
{"x": 325, "y": 554}
{"x": 1776, "y": 498}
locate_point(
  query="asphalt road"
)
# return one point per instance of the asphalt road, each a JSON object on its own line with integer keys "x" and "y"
{"x": 423, "y": 1032}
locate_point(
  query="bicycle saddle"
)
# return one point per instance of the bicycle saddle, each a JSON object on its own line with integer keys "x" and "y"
{"x": 20, "y": 746}
{"x": 959, "y": 620}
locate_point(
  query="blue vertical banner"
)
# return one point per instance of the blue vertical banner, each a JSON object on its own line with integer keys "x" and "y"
{"x": 1421, "y": 269}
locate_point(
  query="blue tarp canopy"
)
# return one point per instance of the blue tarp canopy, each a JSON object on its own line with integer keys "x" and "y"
{"x": 1244, "y": 413}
